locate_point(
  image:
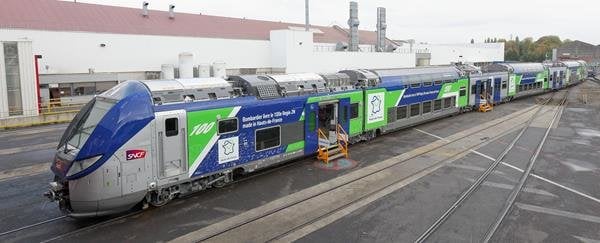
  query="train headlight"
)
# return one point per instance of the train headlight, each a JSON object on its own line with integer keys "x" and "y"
{"x": 82, "y": 165}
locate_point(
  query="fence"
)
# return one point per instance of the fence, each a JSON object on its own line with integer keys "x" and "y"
{"x": 52, "y": 111}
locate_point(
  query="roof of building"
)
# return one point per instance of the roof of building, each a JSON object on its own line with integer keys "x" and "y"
{"x": 55, "y": 15}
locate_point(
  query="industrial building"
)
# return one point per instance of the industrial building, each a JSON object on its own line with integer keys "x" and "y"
{"x": 84, "y": 49}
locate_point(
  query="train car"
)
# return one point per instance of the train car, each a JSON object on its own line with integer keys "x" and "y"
{"x": 150, "y": 141}
{"x": 523, "y": 78}
{"x": 413, "y": 96}
{"x": 489, "y": 87}
{"x": 556, "y": 75}
{"x": 576, "y": 71}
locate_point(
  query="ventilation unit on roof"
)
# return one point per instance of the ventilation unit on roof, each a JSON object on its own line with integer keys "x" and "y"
{"x": 353, "y": 23}
{"x": 145, "y": 9}
{"x": 167, "y": 71}
{"x": 171, "y": 11}
{"x": 381, "y": 27}
{"x": 186, "y": 65}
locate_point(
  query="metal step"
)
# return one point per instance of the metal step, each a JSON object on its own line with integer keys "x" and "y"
{"x": 333, "y": 151}
{"x": 336, "y": 156}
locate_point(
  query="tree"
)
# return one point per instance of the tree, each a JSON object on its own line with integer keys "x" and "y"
{"x": 528, "y": 50}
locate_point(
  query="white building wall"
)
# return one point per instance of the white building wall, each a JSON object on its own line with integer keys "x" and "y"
{"x": 295, "y": 51}
{"x": 3, "y": 91}
{"x": 76, "y": 52}
{"x": 442, "y": 54}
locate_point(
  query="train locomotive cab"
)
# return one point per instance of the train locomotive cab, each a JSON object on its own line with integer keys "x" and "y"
{"x": 94, "y": 152}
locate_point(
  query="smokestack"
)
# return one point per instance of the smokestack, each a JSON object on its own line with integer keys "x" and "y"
{"x": 353, "y": 23}
{"x": 171, "y": 11}
{"x": 145, "y": 9}
{"x": 381, "y": 27}
{"x": 307, "y": 25}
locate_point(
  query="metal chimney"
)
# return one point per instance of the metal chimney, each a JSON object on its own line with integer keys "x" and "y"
{"x": 381, "y": 27}
{"x": 171, "y": 11}
{"x": 145, "y": 9}
{"x": 353, "y": 23}
{"x": 307, "y": 24}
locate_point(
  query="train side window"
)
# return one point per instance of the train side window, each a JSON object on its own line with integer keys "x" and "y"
{"x": 171, "y": 127}
{"x": 212, "y": 96}
{"x": 228, "y": 126}
{"x": 312, "y": 121}
{"x": 438, "y": 82}
{"x": 447, "y": 102}
{"x": 353, "y": 110}
{"x": 344, "y": 115}
{"x": 427, "y": 84}
{"x": 415, "y": 85}
{"x": 401, "y": 112}
{"x": 462, "y": 91}
{"x": 437, "y": 105}
{"x": 473, "y": 88}
{"x": 504, "y": 85}
{"x": 426, "y": 107}
{"x": 267, "y": 138}
{"x": 415, "y": 109}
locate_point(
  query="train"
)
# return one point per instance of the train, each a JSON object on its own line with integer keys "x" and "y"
{"x": 148, "y": 142}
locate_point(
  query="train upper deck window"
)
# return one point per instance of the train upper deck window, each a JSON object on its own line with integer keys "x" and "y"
{"x": 267, "y": 138}
{"x": 171, "y": 127}
{"x": 438, "y": 82}
{"x": 228, "y": 126}
{"x": 427, "y": 84}
{"x": 353, "y": 110}
{"x": 462, "y": 91}
{"x": 415, "y": 85}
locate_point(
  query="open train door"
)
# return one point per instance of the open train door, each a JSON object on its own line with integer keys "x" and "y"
{"x": 344, "y": 114}
{"x": 311, "y": 124}
{"x": 497, "y": 83}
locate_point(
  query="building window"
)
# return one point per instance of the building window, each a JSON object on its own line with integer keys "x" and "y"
{"x": 353, "y": 110}
{"x": 426, "y": 107}
{"x": 401, "y": 112}
{"x": 104, "y": 86}
{"x": 84, "y": 89}
{"x": 171, "y": 127}
{"x": 267, "y": 138}
{"x": 228, "y": 126}
{"x": 415, "y": 109}
{"x": 13, "y": 78}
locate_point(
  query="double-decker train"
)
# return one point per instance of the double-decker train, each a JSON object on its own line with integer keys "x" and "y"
{"x": 151, "y": 141}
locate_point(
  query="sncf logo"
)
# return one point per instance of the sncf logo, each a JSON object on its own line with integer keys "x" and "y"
{"x": 135, "y": 154}
{"x": 202, "y": 128}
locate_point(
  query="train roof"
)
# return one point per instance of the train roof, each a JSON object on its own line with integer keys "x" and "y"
{"x": 411, "y": 75}
{"x": 181, "y": 90}
{"x": 572, "y": 64}
{"x": 514, "y": 67}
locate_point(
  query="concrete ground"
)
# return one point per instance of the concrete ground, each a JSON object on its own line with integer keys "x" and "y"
{"x": 545, "y": 211}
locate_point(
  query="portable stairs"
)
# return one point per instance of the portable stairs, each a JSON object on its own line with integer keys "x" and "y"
{"x": 485, "y": 105}
{"x": 327, "y": 151}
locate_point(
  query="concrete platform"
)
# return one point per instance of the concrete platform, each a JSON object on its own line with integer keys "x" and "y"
{"x": 561, "y": 206}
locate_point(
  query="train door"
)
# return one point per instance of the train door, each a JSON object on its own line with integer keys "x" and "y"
{"x": 477, "y": 93}
{"x": 561, "y": 79}
{"x": 311, "y": 124}
{"x": 171, "y": 144}
{"x": 344, "y": 114}
{"x": 328, "y": 121}
{"x": 497, "y": 84}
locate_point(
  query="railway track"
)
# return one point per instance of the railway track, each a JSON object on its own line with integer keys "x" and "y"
{"x": 480, "y": 180}
{"x": 213, "y": 234}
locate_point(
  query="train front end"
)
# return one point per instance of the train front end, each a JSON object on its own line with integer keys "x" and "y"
{"x": 87, "y": 165}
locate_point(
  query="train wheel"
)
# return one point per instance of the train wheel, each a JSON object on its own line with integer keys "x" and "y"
{"x": 159, "y": 199}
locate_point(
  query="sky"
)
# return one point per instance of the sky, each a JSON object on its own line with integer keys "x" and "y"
{"x": 432, "y": 21}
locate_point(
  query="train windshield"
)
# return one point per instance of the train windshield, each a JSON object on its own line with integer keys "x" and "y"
{"x": 85, "y": 122}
